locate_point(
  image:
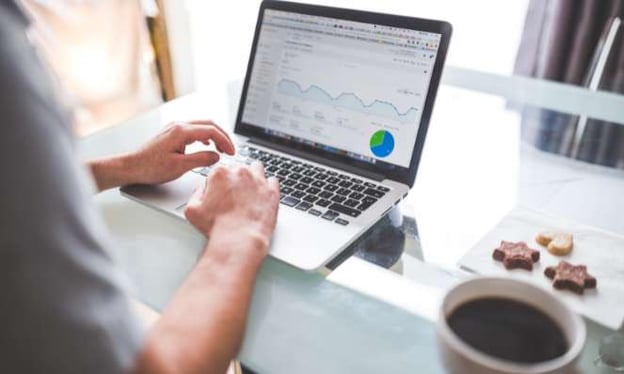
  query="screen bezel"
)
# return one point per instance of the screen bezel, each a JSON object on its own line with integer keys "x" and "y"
{"x": 387, "y": 170}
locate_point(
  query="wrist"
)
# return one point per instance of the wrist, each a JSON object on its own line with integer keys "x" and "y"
{"x": 231, "y": 235}
{"x": 113, "y": 171}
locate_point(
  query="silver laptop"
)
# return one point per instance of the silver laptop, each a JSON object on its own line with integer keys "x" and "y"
{"x": 336, "y": 104}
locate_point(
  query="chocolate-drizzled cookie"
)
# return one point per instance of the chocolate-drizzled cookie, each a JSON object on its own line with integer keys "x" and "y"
{"x": 566, "y": 276}
{"x": 516, "y": 255}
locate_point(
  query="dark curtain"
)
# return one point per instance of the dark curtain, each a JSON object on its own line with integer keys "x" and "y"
{"x": 559, "y": 41}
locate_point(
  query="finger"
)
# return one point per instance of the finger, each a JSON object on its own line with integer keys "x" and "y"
{"x": 211, "y": 123}
{"x": 274, "y": 183}
{"x": 203, "y": 133}
{"x": 198, "y": 159}
{"x": 257, "y": 169}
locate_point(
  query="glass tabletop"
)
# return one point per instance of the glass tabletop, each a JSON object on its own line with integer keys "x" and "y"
{"x": 487, "y": 155}
{"x": 476, "y": 167}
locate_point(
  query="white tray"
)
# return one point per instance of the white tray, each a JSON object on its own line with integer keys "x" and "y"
{"x": 602, "y": 252}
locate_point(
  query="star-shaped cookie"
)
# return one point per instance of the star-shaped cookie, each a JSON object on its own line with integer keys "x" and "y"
{"x": 566, "y": 276}
{"x": 516, "y": 255}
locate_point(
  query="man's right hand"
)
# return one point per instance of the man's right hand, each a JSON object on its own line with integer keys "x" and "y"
{"x": 239, "y": 200}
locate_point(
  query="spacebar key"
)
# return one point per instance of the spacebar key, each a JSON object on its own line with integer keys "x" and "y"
{"x": 344, "y": 210}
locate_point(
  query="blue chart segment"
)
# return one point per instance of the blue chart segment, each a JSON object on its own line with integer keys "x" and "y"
{"x": 346, "y": 100}
{"x": 382, "y": 143}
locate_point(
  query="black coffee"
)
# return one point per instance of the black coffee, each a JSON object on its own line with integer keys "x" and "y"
{"x": 508, "y": 329}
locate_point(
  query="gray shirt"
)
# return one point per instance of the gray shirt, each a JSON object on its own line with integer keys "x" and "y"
{"x": 62, "y": 305}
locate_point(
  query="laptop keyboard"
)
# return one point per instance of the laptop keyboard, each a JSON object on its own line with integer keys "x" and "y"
{"x": 320, "y": 192}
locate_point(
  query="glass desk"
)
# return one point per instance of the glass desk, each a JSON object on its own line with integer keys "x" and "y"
{"x": 375, "y": 311}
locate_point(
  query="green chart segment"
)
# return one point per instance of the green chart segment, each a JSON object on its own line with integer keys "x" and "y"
{"x": 382, "y": 143}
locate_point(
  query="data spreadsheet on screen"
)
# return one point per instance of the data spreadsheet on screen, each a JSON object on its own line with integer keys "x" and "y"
{"x": 348, "y": 87}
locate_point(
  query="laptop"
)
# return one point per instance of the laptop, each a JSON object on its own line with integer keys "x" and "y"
{"x": 336, "y": 104}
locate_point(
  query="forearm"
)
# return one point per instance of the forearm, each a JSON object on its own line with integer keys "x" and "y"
{"x": 201, "y": 330}
{"x": 110, "y": 172}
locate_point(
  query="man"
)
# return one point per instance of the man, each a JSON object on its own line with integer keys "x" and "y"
{"x": 62, "y": 306}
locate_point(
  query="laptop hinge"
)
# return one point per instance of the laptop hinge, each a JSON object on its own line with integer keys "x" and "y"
{"x": 321, "y": 160}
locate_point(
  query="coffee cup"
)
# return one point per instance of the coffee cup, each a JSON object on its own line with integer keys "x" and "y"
{"x": 501, "y": 325}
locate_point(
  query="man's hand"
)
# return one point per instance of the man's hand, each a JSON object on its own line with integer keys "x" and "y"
{"x": 237, "y": 200}
{"x": 163, "y": 158}
{"x": 202, "y": 328}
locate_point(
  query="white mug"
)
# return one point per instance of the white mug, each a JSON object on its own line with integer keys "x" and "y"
{"x": 459, "y": 357}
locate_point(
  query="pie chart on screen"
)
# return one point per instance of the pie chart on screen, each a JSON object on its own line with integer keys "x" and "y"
{"x": 382, "y": 143}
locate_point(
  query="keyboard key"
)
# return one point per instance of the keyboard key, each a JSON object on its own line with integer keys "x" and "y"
{"x": 358, "y": 187}
{"x": 283, "y": 172}
{"x": 313, "y": 190}
{"x": 329, "y": 215}
{"x": 369, "y": 199}
{"x": 330, "y": 187}
{"x": 298, "y": 194}
{"x": 309, "y": 173}
{"x": 369, "y": 184}
{"x": 345, "y": 184}
{"x": 307, "y": 180}
{"x": 343, "y": 176}
{"x": 383, "y": 189}
{"x": 295, "y": 176}
{"x": 301, "y": 186}
{"x": 351, "y": 203}
{"x": 297, "y": 169}
{"x": 289, "y": 201}
{"x": 345, "y": 210}
{"x": 355, "y": 180}
{"x": 356, "y": 196}
{"x": 326, "y": 194}
{"x": 286, "y": 190}
{"x": 289, "y": 182}
{"x": 338, "y": 198}
{"x": 295, "y": 162}
{"x": 272, "y": 169}
{"x": 341, "y": 221}
{"x": 318, "y": 184}
{"x": 333, "y": 180}
{"x": 321, "y": 176}
{"x": 314, "y": 212}
{"x": 343, "y": 191}
{"x": 332, "y": 173}
{"x": 374, "y": 193}
{"x": 323, "y": 203}
{"x": 286, "y": 166}
{"x": 310, "y": 198}
{"x": 303, "y": 206}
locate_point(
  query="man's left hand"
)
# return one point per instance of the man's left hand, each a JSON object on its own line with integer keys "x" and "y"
{"x": 163, "y": 158}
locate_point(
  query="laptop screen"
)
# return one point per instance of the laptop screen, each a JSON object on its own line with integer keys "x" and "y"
{"x": 350, "y": 88}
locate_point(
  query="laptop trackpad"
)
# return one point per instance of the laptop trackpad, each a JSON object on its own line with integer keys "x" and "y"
{"x": 171, "y": 196}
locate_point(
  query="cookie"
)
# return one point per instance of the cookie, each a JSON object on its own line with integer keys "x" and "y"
{"x": 516, "y": 255}
{"x": 566, "y": 276}
{"x": 557, "y": 243}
